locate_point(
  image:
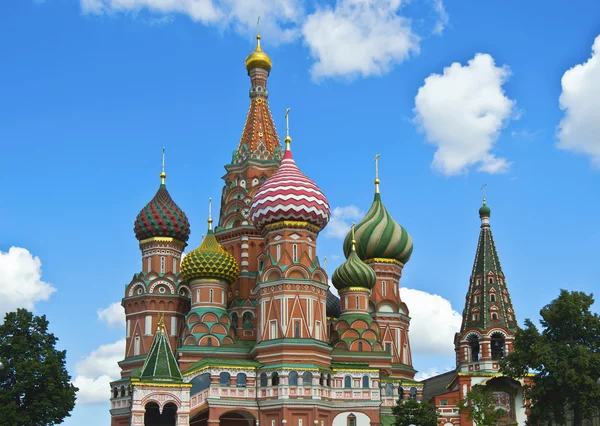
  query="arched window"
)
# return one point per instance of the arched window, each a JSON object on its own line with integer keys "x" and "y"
{"x": 357, "y": 303}
{"x": 492, "y": 297}
{"x": 348, "y": 382}
{"x": 263, "y": 379}
{"x": 497, "y": 346}
{"x": 115, "y": 392}
{"x": 293, "y": 378}
{"x": 322, "y": 379}
{"x": 224, "y": 379}
{"x": 234, "y": 321}
{"x": 360, "y": 346}
{"x": 247, "y": 318}
{"x": 307, "y": 378}
{"x": 474, "y": 345}
{"x": 329, "y": 380}
{"x": 389, "y": 389}
{"x": 122, "y": 391}
{"x": 413, "y": 393}
{"x": 400, "y": 392}
{"x": 162, "y": 264}
{"x": 297, "y": 329}
{"x": 491, "y": 280}
{"x": 240, "y": 380}
{"x": 149, "y": 266}
{"x": 351, "y": 420}
{"x": 383, "y": 288}
{"x": 278, "y": 252}
{"x": 494, "y": 316}
{"x": 476, "y": 299}
{"x": 209, "y": 342}
{"x": 174, "y": 265}
{"x": 310, "y": 252}
{"x": 365, "y": 382}
{"x": 294, "y": 252}
{"x": 275, "y": 378}
{"x": 211, "y": 295}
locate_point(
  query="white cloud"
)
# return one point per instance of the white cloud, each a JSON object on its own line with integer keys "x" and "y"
{"x": 96, "y": 371}
{"x": 347, "y": 39}
{"x": 339, "y": 224}
{"x": 21, "y": 284}
{"x": 579, "y": 130}
{"x": 113, "y": 315}
{"x": 358, "y": 38}
{"x": 433, "y": 323}
{"x": 462, "y": 113}
{"x": 279, "y": 18}
{"x": 443, "y": 17}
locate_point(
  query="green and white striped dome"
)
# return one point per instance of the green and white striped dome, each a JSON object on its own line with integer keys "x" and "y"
{"x": 353, "y": 273}
{"x": 379, "y": 236}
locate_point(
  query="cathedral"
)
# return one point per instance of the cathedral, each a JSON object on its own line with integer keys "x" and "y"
{"x": 244, "y": 330}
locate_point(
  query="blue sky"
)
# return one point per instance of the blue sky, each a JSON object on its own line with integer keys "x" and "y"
{"x": 91, "y": 90}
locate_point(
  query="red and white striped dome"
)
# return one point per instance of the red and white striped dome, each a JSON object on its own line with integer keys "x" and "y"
{"x": 289, "y": 195}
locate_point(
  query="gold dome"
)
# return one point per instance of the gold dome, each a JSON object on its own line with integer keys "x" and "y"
{"x": 258, "y": 58}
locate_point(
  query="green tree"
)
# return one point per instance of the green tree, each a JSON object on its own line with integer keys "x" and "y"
{"x": 481, "y": 408}
{"x": 413, "y": 412}
{"x": 564, "y": 358}
{"x": 35, "y": 388}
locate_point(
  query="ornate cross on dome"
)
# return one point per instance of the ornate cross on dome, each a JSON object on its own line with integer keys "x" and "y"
{"x": 376, "y": 160}
{"x": 483, "y": 191}
{"x": 163, "y": 175}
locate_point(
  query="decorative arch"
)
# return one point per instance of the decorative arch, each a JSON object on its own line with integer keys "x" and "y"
{"x": 298, "y": 272}
{"x": 134, "y": 287}
{"x": 386, "y": 307}
{"x": 272, "y": 274}
{"x": 162, "y": 282}
{"x": 319, "y": 277}
{"x": 161, "y": 402}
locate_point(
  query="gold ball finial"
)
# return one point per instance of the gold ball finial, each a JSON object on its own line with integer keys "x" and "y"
{"x": 163, "y": 176}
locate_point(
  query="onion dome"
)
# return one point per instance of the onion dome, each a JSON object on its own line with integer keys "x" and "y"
{"x": 353, "y": 272}
{"x": 484, "y": 210}
{"x": 258, "y": 58}
{"x": 289, "y": 195}
{"x": 162, "y": 217}
{"x": 210, "y": 260}
{"x": 334, "y": 305}
{"x": 379, "y": 236}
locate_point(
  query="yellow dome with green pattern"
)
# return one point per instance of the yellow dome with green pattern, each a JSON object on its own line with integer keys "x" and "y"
{"x": 210, "y": 260}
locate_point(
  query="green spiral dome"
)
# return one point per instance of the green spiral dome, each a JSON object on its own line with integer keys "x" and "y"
{"x": 379, "y": 236}
{"x": 353, "y": 273}
{"x": 210, "y": 260}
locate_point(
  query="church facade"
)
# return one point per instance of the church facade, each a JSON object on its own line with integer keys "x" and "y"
{"x": 244, "y": 329}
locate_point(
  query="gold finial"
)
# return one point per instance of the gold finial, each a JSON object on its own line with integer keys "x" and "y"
{"x": 161, "y": 322}
{"x": 483, "y": 191}
{"x": 376, "y": 160}
{"x": 288, "y": 138}
{"x": 163, "y": 175}
{"x": 353, "y": 240}
{"x": 210, "y": 214}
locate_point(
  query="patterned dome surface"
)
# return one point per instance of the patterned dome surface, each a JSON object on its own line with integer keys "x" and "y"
{"x": 289, "y": 195}
{"x": 334, "y": 305}
{"x": 380, "y": 236}
{"x": 162, "y": 218}
{"x": 210, "y": 260}
{"x": 353, "y": 273}
{"x": 484, "y": 210}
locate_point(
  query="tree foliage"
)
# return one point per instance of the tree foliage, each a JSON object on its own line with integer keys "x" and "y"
{"x": 413, "y": 412}
{"x": 35, "y": 388}
{"x": 564, "y": 358}
{"x": 481, "y": 406}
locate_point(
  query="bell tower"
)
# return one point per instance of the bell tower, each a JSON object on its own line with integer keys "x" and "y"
{"x": 257, "y": 157}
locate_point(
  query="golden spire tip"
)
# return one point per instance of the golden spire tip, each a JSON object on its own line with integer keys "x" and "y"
{"x": 377, "y": 181}
{"x": 161, "y": 322}
{"x": 353, "y": 240}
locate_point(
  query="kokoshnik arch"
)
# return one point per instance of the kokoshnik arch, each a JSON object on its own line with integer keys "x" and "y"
{"x": 245, "y": 330}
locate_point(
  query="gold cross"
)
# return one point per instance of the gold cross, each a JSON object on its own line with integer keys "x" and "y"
{"x": 287, "y": 122}
{"x": 210, "y": 214}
